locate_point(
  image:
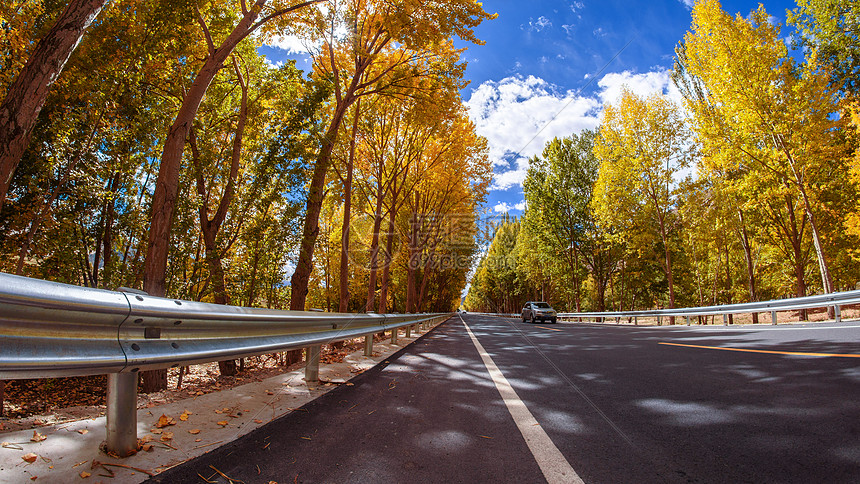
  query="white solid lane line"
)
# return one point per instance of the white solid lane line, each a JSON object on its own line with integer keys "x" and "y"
{"x": 555, "y": 468}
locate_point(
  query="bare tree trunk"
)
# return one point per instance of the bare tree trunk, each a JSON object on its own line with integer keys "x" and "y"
{"x": 28, "y": 92}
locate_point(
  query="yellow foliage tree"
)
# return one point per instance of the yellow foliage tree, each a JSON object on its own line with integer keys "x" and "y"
{"x": 641, "y": 145}
{"x": 760, "y": 104}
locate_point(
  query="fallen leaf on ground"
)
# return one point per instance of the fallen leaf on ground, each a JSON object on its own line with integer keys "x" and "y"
{"x": 184, "y": 416}
{"x": 145, "y": 439}
{"x": 167, "y": 436}
{"x": 223, "y": 423}
{"x": 37, "y": 437}
{"x": 83, "y": 431}
{"x": 85, "y": 474}
{"x": 146, "y": 447}
{"x": 257, "y": 421}
{"x": 194, "y": 431}
{"x": 34, "y": 478}
{"x": 156, "y": 431}
{"x": 31, "y": 457}
{"x": 164, "y": 421}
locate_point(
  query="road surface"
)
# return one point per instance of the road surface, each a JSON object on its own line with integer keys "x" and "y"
{"x": 489, "y": 399}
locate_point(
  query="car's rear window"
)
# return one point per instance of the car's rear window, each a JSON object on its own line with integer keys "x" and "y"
{"x": 541, "y": 305}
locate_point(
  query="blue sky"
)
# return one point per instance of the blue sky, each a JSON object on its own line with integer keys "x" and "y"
{"x": 548, "y": 67}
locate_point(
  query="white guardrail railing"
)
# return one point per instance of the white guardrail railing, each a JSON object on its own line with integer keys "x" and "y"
{"x": 48, "y": 329}
{"x": 833, "y": 300}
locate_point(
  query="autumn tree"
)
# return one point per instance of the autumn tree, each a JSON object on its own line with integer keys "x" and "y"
{"x": 777, "y": 115}
{"x": 558, "y": 190}
{"x": 642, "y": 144}
{"x": 367, "y": 48}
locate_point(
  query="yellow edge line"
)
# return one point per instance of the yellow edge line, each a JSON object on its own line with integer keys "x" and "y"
{"x": 793, "y": 353}
{"x": 551, "y": 329}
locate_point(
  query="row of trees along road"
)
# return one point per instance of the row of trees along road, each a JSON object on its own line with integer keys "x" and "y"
{"x": 162, "y": 151}
{"x": 747, "y": 191}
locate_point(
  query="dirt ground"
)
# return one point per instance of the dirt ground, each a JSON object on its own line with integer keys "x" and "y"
{"x": 47, "y": 401}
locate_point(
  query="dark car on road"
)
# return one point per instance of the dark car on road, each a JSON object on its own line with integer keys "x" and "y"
{"x": 535, "y": 311}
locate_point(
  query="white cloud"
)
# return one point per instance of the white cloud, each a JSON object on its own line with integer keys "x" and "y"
{"x": 659, "y": 81}
{"x": 503, "y": 207}
{"x": 519, "y": 115}
{"x": 538, "y": 25}
{"x": 272, "y": 65}
{"x": 290, "y": 43}
{"x": 688, "y": 3}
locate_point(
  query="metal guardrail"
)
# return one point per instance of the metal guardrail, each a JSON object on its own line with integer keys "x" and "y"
{"x": 834, "y": 300}
{"x": 48, "y": 329}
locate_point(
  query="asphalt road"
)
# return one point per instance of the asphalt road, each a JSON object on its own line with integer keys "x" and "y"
{"x": 617, "y": 403}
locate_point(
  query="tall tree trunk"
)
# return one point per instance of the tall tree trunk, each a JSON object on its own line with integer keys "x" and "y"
{"x": 211, "y": 227}
{"x": 826, "y": 279}
{"x": 370, "y": 306}
{"x": 799, "y": 263}
{"x": 304, "y": 266}
{"x": 386, "y": 269}
{"x": 728, "y": 285}
{"x": 412, "y": 265}
{"x": 167, "y": 183}
{"x": 343, "y": 303}
{"x": 28, "y": 92}
{"x": 668, "y": 259}
{"x": 751, "y": 281}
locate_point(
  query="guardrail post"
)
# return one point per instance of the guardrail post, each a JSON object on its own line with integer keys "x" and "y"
{"x": 838, "y": 312}
{"x": 688, "y": 320}
{"x": 409, "y": 331}
{"x": 312, "y": 368}
{"x": 635, "y": 320}
{"x": 368, "y": 345}
{"x": 725, "y": 320}
{"x": 659, "y": 321}
{"x": 121, "y": 421}
{"x": 394, "y": 335}
{"x": 773, "y": 317}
